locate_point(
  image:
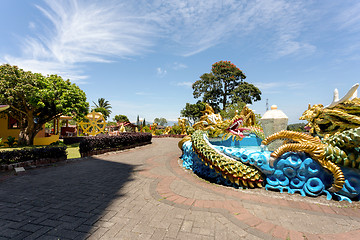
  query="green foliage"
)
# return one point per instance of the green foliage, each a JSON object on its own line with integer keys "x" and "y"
{"x": 11, "y": 141}
{"x": 103, "y": 107}
{"x": 146, "y": 129}
{"x": 190, "y": 130}
{"x": 121, "y": 118}
{"x": 225, "y": 85}
{"x": 35, "y": 99}
{"x": 231, "y": 109}
{"x": 102, "y": 103}
{"x": 144, "y": 123}
{"x": 159, "y": 132}
{"x": 161, "y": 121}
{"x": 193, "y": 111}
{"x": 297, "y": 127}
{"x": 22, "y": 155}
{"x": 111, "y": 124}
{"x": 175, "y": 130}
{"x": 138, "y": 121}
{"x": 1, "y": 142}
{"x": 57, "y": 143}
{"x": 103, "y": 111}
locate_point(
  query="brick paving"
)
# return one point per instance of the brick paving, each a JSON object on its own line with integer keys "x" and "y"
{"x": 143, "y": 193}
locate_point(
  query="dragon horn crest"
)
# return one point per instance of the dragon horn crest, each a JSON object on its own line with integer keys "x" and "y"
{"x": 352, "y": 93}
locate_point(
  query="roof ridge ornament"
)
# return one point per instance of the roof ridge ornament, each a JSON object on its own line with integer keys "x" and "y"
{"x": 351, "y": 94}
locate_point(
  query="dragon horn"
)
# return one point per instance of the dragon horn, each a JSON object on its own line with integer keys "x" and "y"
{"x": 352, "y": 93}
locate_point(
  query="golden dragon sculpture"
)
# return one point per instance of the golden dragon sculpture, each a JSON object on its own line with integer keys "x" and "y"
{"x": 338, "y": 125}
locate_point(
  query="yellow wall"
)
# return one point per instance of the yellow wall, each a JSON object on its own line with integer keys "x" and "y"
{"x": 39, "y": 139}
{"x": 45, "y": 140}
{"x": 5, "y": 132}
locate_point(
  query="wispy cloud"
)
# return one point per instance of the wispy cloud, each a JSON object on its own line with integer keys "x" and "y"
{"x": 78, "y": 31}
{"x": 73, "y": 32}
{"x": 185, "y": 84}
{"x": 200, "y": 24}
{"x": 347, "y": 21}
{"x": 349, "y": 18}
{"x": 161, "y": 72}
{"x": 143, "y": 93}
{"x": 179, "y": 66}
{"x": 274, "y": 86}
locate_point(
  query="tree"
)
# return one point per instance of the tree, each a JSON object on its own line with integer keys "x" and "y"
{"x": 103, "y": 111}
{"x": 230, "y": 110}
{"x": 35, "y": 99}
{"x": 193, "y": 111}
{"x": 161, "y": 121}
{"x": 103, "y": 106}
{"x": 144, "y": 123}
{"x": 225, "y": 85}
{"x": 138, "y": 121}
{"x": 121, "y": 118}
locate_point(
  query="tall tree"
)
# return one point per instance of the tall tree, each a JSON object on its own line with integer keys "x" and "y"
{"x": 138, "y": 121}
{"x": 193, "y": 111}
{"x": 161, "y": 121}
{"x": 225, "y": 85}
{"x": 35, "y": 99}
{"x": 102, "y": 106}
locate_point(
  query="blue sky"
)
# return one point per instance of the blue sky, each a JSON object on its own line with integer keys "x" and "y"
{"x": 142, "y": 55}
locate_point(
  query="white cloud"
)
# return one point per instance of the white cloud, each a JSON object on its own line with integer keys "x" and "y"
{"x": 271, "y": 86}
{"x": 75, "y": 32}
{"x": 179, "y": 66}
{"x": 185, "y": 84}
{"x": 32, "y": 25}
{"x": 143, "y": 93}
{"x": 349, "y": 18}
{"x": 267, "y": 85}
{"x": 200, "y": 24}
{"x": 161, "y": 72}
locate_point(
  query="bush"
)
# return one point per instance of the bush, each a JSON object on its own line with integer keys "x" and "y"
{"x": 158, "y": 132}
{"x": 57, "y": 143}
{"x": 104, "y": 142}
{"x": 11, "y": 141}
{"x": 175, "y": 130}
{"x": 22, "y": 155}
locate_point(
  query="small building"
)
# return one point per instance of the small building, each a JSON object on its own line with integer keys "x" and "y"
{"x": 10, "y": 127}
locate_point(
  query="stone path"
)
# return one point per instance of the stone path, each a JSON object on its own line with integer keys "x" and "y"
{"x": 143, "y": 193}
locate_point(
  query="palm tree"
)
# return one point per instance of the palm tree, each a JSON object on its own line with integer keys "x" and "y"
{"x": 102, "y": 106}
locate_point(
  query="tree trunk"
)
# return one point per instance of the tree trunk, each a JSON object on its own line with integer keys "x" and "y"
{"x": 27, "y": 134}
{"x": 225, "y": 95}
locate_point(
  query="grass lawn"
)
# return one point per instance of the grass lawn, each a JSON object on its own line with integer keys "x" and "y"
{"x": 72, "y": 150}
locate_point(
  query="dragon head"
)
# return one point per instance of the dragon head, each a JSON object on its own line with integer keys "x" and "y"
{"x": 236, "y": 127}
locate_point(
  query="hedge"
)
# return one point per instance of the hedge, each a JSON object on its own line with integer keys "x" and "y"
{"x": 22, "y": 155}
{"x": 90, "y": 144}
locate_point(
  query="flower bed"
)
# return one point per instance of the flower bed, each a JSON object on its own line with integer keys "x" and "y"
{"x": 101, "y": 144}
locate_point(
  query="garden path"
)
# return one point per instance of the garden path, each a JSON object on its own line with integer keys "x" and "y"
{"x": 144, "y": 193}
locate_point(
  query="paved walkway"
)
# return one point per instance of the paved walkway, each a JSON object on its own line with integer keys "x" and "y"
{"x": 143, "y": 193}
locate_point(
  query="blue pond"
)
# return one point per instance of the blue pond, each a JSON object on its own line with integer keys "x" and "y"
{"x": 293, "y": 172}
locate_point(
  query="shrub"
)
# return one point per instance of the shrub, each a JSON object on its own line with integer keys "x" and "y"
{"x": 10, "y": 141}
{"x": 57, "y": 143}
{"x": 176, "y": 129}
{"x": 158, "y": 132}
{"x": 104, "y": 142}
{"x": 22, "y": 155}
